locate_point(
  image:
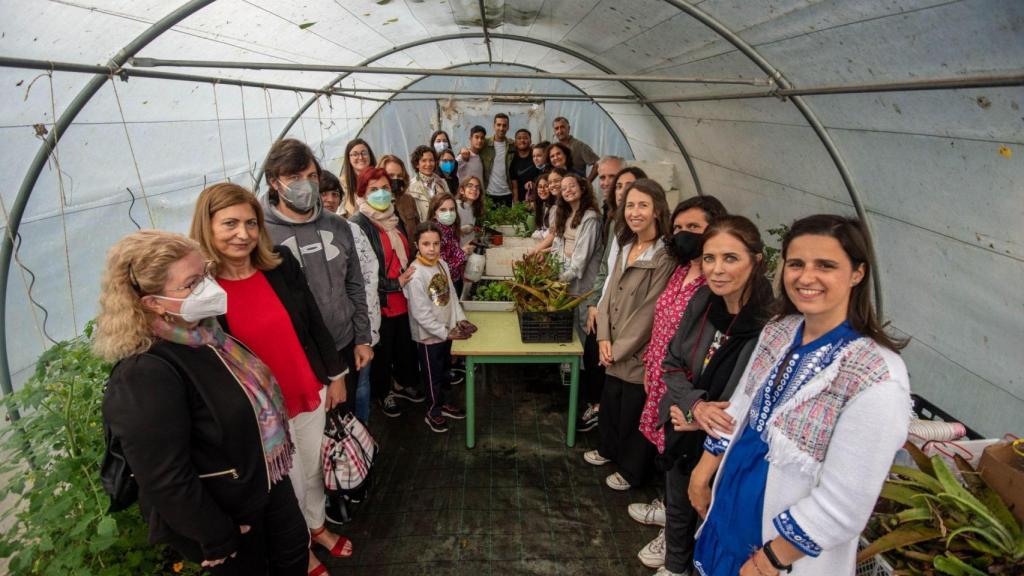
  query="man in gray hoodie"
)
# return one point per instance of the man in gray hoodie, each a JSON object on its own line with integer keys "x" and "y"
{"x": 322, "y": 243}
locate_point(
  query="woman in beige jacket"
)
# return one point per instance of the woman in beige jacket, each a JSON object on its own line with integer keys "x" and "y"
{"x": 624, "y": 319}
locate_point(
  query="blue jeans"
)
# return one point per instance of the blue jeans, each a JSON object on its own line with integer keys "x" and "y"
{"x": 363, "y": 395}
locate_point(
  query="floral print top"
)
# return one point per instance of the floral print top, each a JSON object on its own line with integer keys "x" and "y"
{"x": 668, "y": 313}
{"x": 451, "y": 250}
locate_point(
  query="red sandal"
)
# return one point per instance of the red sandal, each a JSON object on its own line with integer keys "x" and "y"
{"x": 320, "y": 570}
{"x": 338, "y": 551}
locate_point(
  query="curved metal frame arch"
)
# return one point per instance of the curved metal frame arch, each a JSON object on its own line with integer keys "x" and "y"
{"x": 398, "y": 91}
{"x": 812, "y": 119}
{"x": 516, "y": 38}
{"x": 36, "y": 167}
{"x": 189, "y": 8}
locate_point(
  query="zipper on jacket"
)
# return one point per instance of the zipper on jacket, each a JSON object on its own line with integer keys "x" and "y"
{"x": 256, "y": 416}
{"x": 229, "y": 472}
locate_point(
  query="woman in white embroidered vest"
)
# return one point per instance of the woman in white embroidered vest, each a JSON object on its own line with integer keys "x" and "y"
{"x": 808, "y": 436}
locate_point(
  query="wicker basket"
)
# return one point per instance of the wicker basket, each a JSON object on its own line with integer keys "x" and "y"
{"x": 546, "y": 327}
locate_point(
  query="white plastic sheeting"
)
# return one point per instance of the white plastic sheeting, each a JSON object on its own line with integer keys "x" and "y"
{"x": 940, "y": 172}
{"x": 408, "y": 121}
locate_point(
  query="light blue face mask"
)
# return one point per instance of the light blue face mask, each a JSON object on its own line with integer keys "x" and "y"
{"x": 379, "y": 199}
{"x": 446, "y": 217}
{"x": 447, "y": 166}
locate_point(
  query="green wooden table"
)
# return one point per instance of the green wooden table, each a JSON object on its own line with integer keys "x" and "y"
{"x": 497, "y": 342}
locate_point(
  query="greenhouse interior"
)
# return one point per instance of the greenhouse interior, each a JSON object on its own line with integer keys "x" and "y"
{"x": 745, "y": 297}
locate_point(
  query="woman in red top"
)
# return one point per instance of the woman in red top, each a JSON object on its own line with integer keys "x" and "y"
{"x": 377, "y": 219}
{"x": 272, "y": 311}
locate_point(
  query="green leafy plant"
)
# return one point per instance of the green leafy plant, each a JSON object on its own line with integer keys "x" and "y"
{"x": 519, "y": 215}
{"x": 536, "y": 287}
{"x": 493, "y": 292}
{"x": 51, "y": 459}
{"x": 930, "y": 523}
{"x": 773, "y": 254}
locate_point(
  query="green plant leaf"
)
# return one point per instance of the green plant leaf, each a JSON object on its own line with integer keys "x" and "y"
{"x": 898, "y": 539}
{"x": 901, "y": 494}
{"x": 306, "y": 25}
{"x": 107, "y": 526}
{"x": 949, "y": 564}
{"x": 914, "y": 515}
{"x": 922, "y": 478}
{"x": 920, "y": 458}
{"x": 957, "y": 494}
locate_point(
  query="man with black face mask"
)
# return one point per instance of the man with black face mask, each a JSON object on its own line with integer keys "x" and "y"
{"x": 322, "y": 243}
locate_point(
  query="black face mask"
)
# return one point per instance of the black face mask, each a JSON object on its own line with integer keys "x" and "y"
{"x": 397, "y": 185}
{"x": 684, "y": 246}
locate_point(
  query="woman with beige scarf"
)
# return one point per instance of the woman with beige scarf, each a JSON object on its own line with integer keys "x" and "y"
{"x": 377, "y": 218}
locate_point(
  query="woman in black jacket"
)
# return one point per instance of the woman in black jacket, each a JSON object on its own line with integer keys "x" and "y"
{"x": 703, "y": 364}
{"x": 272, "y": 311}
{"x": 201, "y": 419}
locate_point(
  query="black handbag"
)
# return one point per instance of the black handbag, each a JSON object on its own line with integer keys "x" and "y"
{"x": 115, "y": 474}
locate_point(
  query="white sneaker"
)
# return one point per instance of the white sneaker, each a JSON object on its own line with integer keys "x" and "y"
{"x": 653, "y": 555}
{"x": 666, "y": 572}
{"x": 652, "y": 514}
{"x": 615, "y": 481}
{"x": 594, "y": 457}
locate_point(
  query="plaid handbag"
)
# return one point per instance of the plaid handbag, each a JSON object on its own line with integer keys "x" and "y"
{"x": 348, "y": 453}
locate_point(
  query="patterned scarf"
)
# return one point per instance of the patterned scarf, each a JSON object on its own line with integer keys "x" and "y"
{"x": 257, "y": 381}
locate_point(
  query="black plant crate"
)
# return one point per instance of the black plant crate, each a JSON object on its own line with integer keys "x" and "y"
{"x": 546, "y": 327}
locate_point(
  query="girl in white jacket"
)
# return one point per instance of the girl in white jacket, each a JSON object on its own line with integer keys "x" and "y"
{"x": 435, "y": 319}
{"x": 805, "y": 442}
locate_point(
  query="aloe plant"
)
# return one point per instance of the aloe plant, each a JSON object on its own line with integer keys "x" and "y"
{"x": 930, "y": 523}
{"x": 536, "y": 287}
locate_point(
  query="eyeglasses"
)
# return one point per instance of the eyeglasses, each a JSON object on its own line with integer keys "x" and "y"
{"x": 196, "y": 282}
{"x": 358, "y": 154}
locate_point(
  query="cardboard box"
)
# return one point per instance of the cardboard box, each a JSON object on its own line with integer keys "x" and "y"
{"x": 1003, "y": 470}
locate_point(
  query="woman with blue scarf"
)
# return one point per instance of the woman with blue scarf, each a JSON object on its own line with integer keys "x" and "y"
{"x": 805, "y": 442}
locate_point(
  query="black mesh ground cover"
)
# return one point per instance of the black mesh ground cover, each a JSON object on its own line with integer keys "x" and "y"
{"x": 521, "y": 502}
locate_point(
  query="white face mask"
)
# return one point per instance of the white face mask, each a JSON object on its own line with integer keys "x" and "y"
{"x": 207, "y": 299}
{"x": 440, "y": 147}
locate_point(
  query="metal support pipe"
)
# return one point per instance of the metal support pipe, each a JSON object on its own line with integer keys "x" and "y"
{"x": 951, "y": 83}
{"x": 36, "y": 167}
{"x": 487, "y": 35}
{"x": 625, "y": 98}
{"x": 812, "y": 119}
{"x": 125, "y": 73}
{"x": 965, "y": 82}
{"x": 526, "y": 40}
{"x": 363, "y": 69}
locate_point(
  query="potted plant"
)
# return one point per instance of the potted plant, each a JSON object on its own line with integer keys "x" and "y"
{"x": 927, "y": 522}
{"x": 490, "y": 296}
{"x": 543, "y": 302}
{"x": 515, "y": 220}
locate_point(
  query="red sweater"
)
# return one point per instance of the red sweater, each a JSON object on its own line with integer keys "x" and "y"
{"x": 395, "y": 303}
{"x": 258, "y": 318}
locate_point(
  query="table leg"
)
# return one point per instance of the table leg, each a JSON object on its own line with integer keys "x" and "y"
{"x": 470, "y": 403}
{"x": 574, "y": 396}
